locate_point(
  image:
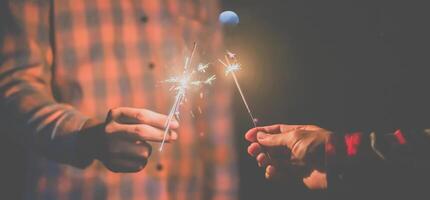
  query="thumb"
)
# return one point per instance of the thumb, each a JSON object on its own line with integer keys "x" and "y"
{"x": 270, "y": 140}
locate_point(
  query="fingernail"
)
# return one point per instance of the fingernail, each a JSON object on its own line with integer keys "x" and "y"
{"x": 261, "y": 136}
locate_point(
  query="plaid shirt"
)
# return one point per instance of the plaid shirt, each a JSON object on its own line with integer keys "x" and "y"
{"x": 64, "y": 62}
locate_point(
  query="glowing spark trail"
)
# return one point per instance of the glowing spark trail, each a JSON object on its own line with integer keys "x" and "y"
{"x": 180, "y": 84}
{"x": 202, "y": 67}
{"x": 210, "y": 80}
{"x": 231, "y": 68}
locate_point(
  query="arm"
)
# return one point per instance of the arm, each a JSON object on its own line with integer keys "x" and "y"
{"x": 344, "y": 159}
{"x": 26, "y": 64}
{"x": 351, "y": 154}
{"x": 55, "y": 130}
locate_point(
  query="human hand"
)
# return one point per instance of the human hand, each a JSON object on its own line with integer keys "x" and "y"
{"x": 122, "y": 140}
{"x": 296, "y": 152}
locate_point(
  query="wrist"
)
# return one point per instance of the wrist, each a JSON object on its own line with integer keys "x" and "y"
{"x": 90, "y": 141}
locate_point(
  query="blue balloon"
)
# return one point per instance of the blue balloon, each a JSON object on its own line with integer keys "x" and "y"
{"x": 229, "y": 18}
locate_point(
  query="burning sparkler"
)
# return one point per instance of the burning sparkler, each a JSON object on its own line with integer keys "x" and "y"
{"x": 180, "y": 84}
{"x": 231, "y": 68}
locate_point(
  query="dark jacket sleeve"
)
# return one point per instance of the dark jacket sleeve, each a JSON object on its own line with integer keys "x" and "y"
{"x": 379, "y": 163}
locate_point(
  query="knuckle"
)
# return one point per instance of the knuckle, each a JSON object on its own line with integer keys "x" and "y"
{"x": 141, "y": 116}
{"x": 294, "y": 137}
{"x": 139, "y": 129}
{"x": 296, "y": 134}
{"x": 290, "y": 137}
{"x": 110, "y": 127}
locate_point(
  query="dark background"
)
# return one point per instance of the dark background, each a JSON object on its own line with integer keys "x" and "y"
{"x": 343, "y": 65}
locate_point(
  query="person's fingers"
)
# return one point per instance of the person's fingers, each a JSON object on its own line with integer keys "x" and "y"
{"x": 131, "y": 150}
{"x": 142, "y": 131}
{"x": 251, "y": 135}
{"x": 288, "y": 128}
{"x": 278, "y": 128}
{"x": 270, "y": 172}
{"x": 271, "y": 140}
{"x": 143, "y": 116}
{"x": 287, "y": 139}
{"x": 125, "y": 165}
{"x": 273, "y": 129}
{"x": 316, "y": 180}
{"x": 262, "y": 159}
{"x": 254, "y": 149}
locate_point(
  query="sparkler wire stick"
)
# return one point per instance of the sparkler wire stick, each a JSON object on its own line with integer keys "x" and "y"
{"x": 231, "y": 68}
{"x": 240, "y": 91}
{"x": 170, "y": 118}
{"x": 243, "y": 99}
{"x": 179, "y": 98}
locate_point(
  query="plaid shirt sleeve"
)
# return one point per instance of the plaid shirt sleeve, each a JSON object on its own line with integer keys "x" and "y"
{"x": 26, "y": 65}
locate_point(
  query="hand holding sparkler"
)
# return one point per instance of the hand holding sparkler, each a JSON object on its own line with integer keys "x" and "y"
{"x": 121, "y": 143}
{"x": 298, "y": 151}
